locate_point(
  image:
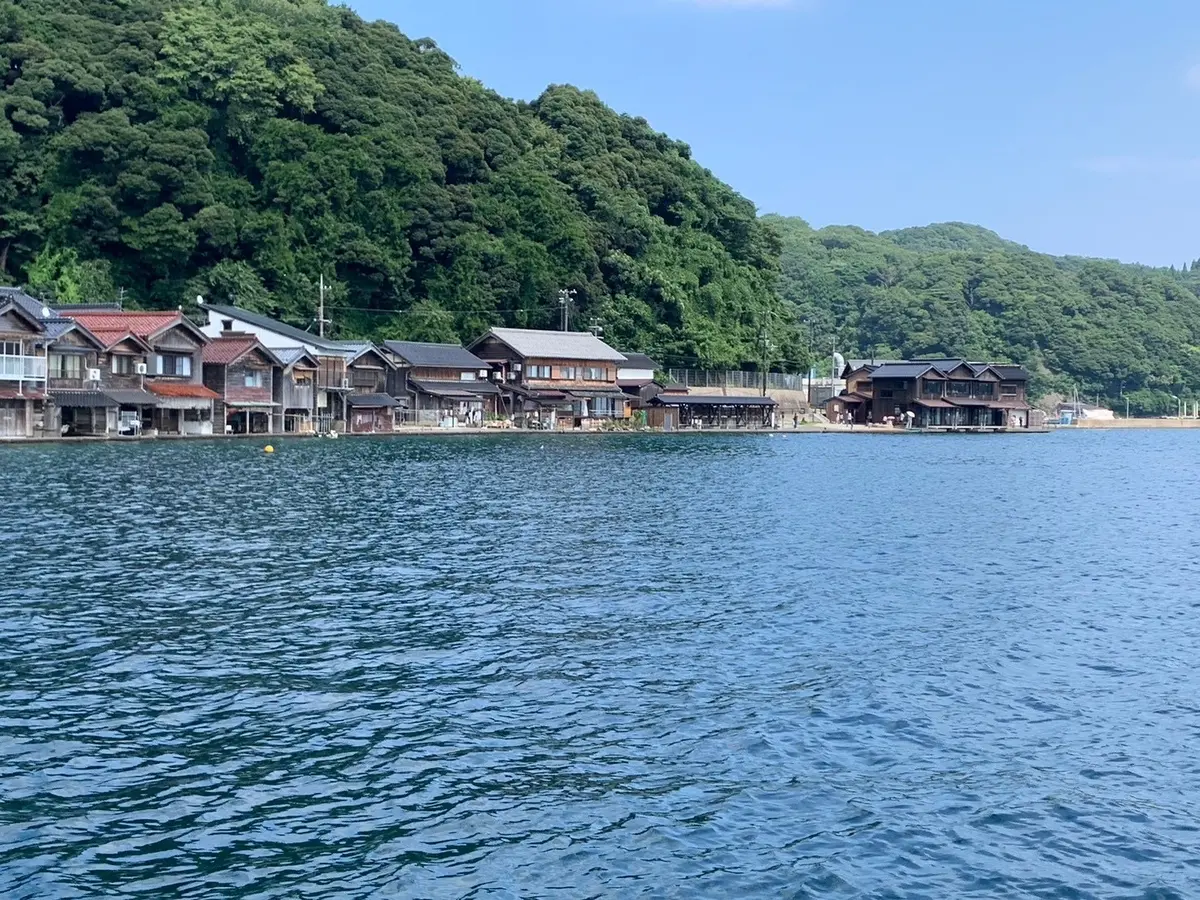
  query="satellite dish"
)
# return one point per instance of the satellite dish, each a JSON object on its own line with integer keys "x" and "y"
{"x": 199, "y": 299}
{"x": 46, "y": 312}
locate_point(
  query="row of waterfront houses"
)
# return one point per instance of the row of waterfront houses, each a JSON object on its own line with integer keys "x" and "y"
{"x": 100, "y": 370}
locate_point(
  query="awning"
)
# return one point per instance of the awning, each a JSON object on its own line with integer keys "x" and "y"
{"x": 250, "y": 404}
{"x": 966, "y": 401}
{"x": 696, "y": 400}
{"x": 934, "y": 404}
{"x": 447, "y": 390}
{"x": 132, "y": 398}
{"x": 182, "y": 395}
{"x": 475, "y": 388}
{"x": 598, "y": 394}
{"x": 372, "y": 401}
{"x": 102, "y": 399}
{"x": 27, "y": 394}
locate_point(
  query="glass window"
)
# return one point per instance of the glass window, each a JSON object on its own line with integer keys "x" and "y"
{"x": 66, "y": 365}
{"x": 570, "y": 373}
{"x": 1008, "y": 390}
{"x": 175, "y": 365}
{"x": 934, "y": 388}
{"x": 593, "y": 374}
{"x": 122, "y": 365}
{"x": 466, "y": 376}
{"x": 10, "y": 348}
{"x": 539, "y": 372}
{"x": 960, "y": 389}
{"x": 254, "y": 378}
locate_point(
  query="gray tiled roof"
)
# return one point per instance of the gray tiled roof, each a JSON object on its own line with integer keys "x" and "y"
{"x": 28, "y": 304}
{"x": 435, "y": 356}
{"x": 581, "y": 345}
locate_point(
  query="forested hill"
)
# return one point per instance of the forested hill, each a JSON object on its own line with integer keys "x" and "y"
{"x": 241, "y": 148}
{"x": 954, "y": 289}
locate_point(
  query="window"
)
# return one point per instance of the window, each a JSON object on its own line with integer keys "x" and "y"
{"x": 466, "y": 376}
{"x": 175, "y": 365}
{"x": 122, "y": 365}
{"x": 10, "y": 348}
{"x": 1008, "y": 390}
{"x": 886, "y": 395}
{"x": 985, "y": 389}
{"x": 592, "y": 374}
{"x": 254, "y": 378}
{"x": 66, "y": 365}
{"x": 538, "y": 371}
{"x": 960, "y": 389}
{"x": 933, "y": 388}
{"x": 570, "y": 373}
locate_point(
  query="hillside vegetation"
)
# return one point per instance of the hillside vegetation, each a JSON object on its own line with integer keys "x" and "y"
{"x": 242, "y": 148}
{"x": 1099, "y": 326}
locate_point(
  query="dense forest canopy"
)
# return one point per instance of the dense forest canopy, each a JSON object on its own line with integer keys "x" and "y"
{"x": 241, "y": 149}
{"x": 1103, "y": 328}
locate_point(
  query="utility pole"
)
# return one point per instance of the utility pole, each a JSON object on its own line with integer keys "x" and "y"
{"x": 321, "y": 320}
{"x": 766, "y": 358}
{"x": 564, "y": 307}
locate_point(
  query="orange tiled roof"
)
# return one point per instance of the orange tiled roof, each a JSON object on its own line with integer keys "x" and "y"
{"x": 111, "y": 327}
{"x": 181, "y": 389}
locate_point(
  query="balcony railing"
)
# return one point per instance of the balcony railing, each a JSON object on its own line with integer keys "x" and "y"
{"x": 22, "y": 368}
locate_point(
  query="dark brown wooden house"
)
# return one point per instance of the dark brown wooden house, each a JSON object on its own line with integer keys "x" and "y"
{"x": 935, "y": 394}
{"x": 555, "y": 378}
{"x": 243, "y": 373}
{"x": 442, "y": 384}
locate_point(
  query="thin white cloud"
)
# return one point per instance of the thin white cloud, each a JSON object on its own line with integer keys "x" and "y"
{"x": 1191, "y": 77}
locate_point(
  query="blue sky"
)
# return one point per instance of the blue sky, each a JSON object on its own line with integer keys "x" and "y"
{"x": 1072, "y": 126}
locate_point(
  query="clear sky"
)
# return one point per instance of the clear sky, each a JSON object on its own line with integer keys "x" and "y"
{"x": 1072, "y": 126}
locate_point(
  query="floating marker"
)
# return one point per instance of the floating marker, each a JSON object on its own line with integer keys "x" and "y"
{"x": 268, "y": 449}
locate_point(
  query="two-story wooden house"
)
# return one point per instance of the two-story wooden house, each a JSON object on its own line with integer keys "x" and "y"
{"x": 295, "y": 389}
{"x": 555, "y": 378}
{"x": 934, "y": 394}
{"x": 441, "y": 383}
{"x": 22, "y": 371}
{"x": 159, "y": 353}
{"x": 243, "y": 373}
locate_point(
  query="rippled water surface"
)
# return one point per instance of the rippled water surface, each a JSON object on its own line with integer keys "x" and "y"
{"x": 790, "y": 666}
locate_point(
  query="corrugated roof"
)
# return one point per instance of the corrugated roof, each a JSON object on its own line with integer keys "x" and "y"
{"x": 435, "y": 356}
{"x": 698, "y": 400}
{"x": 639, "y": 361}
{"x": 372, "y": 401}
{"x": 181, "y": 389}
{"x": 478, "y": 388}
{"x": 581, "y": 345}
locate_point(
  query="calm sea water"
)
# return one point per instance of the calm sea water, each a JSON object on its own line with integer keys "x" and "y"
{"x": 791, "y": 666}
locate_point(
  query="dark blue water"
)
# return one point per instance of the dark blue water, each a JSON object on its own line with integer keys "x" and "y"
{"x": 803, "y": 666}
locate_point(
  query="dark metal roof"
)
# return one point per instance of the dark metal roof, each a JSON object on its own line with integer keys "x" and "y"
{"x": 280, "y": 328}
{"x": 373, "y": 401}
{"x": 477, "y": 388}
{"x": 901, "y": 370}
{"x": 638, "y": 361}
{"x": 435, "y": 356}
{"x": 1011, "y": 372}
{"x": 696, "y": 400}
{"x": 28, "y": 303}
{"x": 82, "y": 399}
